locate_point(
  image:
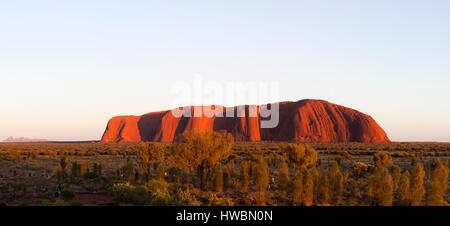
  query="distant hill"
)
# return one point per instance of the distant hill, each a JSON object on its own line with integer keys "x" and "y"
{"x": 301, "y": 121}
{"x": 22, "y": 140}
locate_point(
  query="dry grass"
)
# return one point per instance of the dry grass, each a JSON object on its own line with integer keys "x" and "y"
{"x": 27, "y": 168}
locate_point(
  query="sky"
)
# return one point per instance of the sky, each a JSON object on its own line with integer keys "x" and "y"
{"x": 67, "y": 67}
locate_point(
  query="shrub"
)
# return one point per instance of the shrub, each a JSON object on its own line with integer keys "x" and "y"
{"x": 382, "y": 159}
{"x": 84, "y": 169}
{"x": 183, "y": 197}
{"x": 148, "y": 153}
{"x": 63, "y": 166}
{"x": 174, "y": 174}
{"x": 200, "y": 150}
{"x": 128, "y": 194}
{"x": 75, "y": 170}
{"x": 227, "y": 176}
{"x": 396, "y": 174}
{"x": 160, "y": 171}
{"x": 61, "y": 171}
{"x": 403, "y": 188}
{"x": 354, "y": 189}
{"x": 297, "y": 188}
{"x": 322, "y": 187}
{"x": 67, "y": 194}
{"x": 97, "y": 170}
{"x": 308, "y": 188}
{"x": 416, "y": 190}
{"x": 380, "y": 186}
{"x": 119, "y": 188}
{"x": 218, "y": 179}
{"x": 159, "y": 192}
{"x": 214, "y": 200}
{"x": 76, "y": 202}
{"x": 49, "y": 203}
{"x": 300, "y": 156}
{"x": 438, "y": 185}
{"x": 128, "y": 170}
{"x": 283, "y": 178}
{"x": 359, "y": 169}
{"x": 244, "y": 168}
{"x": 336, "y": 183}
{"x": 261, "y": 180}
{"x": 120, "y": 191}
{"x": 33, "y": 154}
{"x": 160, "y": 198}
{"x": 154, "y": 185}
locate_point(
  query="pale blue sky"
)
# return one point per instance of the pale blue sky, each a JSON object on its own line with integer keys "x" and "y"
{"x": 67, "y": 67}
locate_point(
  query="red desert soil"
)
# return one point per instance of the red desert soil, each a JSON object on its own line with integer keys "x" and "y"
{"x": 301, "y": 121}
{"x": 88, "y": 199}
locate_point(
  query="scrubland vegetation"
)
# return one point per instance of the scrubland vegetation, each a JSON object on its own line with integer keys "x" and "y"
{"x": 210, "y": 169}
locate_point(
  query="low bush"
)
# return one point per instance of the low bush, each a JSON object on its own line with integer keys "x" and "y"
{"x": 67, "y": 194}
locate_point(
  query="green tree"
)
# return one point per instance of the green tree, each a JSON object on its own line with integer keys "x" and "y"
{"x": 149, "y": 153}
{"x": 200, "y": 150}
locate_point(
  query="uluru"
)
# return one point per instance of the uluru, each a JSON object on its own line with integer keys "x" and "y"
{"x": 302, "y": 121}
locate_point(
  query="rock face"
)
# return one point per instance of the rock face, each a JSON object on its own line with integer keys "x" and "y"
{"x": 301, "y": 121}
{"x": 22, "y": 140}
